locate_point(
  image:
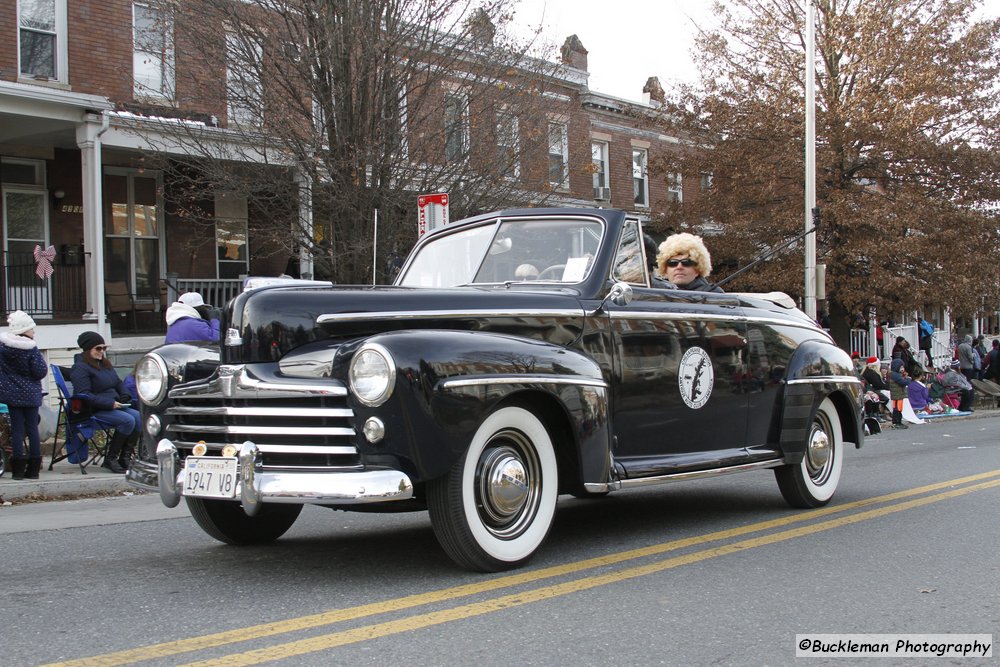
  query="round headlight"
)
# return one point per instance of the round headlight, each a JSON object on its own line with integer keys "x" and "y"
{"x": 151, "y": 379}
{"x": 372, "y": 375}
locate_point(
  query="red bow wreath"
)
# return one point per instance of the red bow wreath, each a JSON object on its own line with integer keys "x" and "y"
{"x": 43, "y": 259}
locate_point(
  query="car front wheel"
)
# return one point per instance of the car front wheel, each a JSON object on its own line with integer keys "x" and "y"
{"x": 493, "y": 509}
{"x": 227, "y": 522}
{"x": 813, "y": 481}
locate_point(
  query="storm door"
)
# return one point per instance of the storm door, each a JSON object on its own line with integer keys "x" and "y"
{"x": 133, "y": 224}
{"x": 24, "y": 214}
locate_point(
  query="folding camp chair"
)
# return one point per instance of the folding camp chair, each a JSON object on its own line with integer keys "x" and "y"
{"x": 85, "y": 436}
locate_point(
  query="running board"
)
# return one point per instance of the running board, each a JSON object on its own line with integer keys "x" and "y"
{"x": 605, "y": 487}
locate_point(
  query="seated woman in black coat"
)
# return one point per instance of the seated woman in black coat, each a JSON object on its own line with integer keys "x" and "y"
{"x": 93, "y": 374}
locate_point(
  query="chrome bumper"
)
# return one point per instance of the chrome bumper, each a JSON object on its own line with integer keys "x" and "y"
{"x": 257, "y": 486}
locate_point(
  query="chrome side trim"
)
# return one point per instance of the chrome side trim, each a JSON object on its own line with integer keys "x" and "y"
{"x": 261, "y": 412}
{"x": 601, "y": 487}
{"x": 659, "y": 315}
{"x": 262, "y": 430}
{"x": 522, "y": 379}
{"x": 823, "y": 379}
{"x": 445, "y": 314}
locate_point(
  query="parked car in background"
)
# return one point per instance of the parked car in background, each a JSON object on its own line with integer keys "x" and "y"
{"x": 480, "y": 391}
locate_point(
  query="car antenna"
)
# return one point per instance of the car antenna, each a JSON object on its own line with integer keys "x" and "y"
{"x": 771, "y": 253}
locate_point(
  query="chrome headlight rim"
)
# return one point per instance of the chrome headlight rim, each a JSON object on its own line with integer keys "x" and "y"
{"x": 160, "y": 366}
{"x": 373, "y": 400}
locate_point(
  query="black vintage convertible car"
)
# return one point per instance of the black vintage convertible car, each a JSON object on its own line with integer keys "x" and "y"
{"x": 519, "y": 356}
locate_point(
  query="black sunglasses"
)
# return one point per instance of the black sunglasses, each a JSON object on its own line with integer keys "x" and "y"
{"x": 682, "y": 262}
{"x": 100, "y": 348}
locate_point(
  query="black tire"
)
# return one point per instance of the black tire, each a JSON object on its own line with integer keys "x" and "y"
{"x": 813, "y": 481}
{"x": 490, "y": 526}
{"x": 3, "y": 462}
{"x": 227, "y": 522}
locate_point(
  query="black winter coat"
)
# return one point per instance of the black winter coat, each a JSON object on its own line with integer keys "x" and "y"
{"x": 102, "y": 384}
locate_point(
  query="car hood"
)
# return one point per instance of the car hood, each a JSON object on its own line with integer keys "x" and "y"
{"x": 267, "y": 324}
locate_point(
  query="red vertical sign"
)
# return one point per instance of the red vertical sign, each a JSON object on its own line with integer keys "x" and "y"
{"x": 432, "y": 212}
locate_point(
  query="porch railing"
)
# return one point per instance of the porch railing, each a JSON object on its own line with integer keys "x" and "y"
{"x": 63, "y": 294}
{"x": 215, "y": 291}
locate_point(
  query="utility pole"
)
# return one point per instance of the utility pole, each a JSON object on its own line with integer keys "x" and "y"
{"x": 810, "y": 202}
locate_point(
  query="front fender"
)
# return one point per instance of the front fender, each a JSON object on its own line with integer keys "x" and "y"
{"x": 447, "y": 382}
{"x": 816, "y": 370}
{"x": 185, "y": 362}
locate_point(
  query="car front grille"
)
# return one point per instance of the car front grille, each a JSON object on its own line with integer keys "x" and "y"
{"x": 298, "y": 425}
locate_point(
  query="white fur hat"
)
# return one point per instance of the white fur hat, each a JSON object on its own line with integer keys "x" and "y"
{"x": 193, "y": 299}
{"x": 19, "y": 322}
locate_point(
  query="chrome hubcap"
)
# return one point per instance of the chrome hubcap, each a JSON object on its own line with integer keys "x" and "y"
{"x": 818, "y": 452}
{"x": 505, "y": 484}
{"x": 507, "y": 492}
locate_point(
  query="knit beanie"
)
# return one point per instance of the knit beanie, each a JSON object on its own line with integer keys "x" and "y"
{"x": 19, "y": 322}
{"x": 89, "y": 339}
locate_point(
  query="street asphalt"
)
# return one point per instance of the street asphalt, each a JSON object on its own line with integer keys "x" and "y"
{"x": 66, "y": 481}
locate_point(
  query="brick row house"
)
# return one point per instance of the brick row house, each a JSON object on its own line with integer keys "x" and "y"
{"x": 91, "y": 98}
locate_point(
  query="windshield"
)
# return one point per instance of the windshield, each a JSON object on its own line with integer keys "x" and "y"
{"x": 549, "y": 250}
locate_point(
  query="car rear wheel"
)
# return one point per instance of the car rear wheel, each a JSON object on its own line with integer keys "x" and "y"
{"x": 494, "y": 508}
{"x": 813, "y": 481}
{"x": 227, "y": 522}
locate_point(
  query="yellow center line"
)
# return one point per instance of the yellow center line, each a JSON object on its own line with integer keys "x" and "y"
{"x": 419, "y": 621}
{"x": 213, "y": 640}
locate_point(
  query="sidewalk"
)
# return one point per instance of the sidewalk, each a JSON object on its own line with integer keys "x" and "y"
{"x": 64, "y": 481}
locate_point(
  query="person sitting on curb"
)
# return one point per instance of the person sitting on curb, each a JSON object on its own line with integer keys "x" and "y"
{"x": 956, "y": 383}
{"x": 876, "y": 384}
{"x": 898, "y": 382}
{"x": 919, "y": 396}
{"x": 188, "y": 319}
{"x": 22, "y": 368}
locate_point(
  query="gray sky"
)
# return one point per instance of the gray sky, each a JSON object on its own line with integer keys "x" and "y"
{"x": 631, "y": 40}
{"x": 628, "y": 40}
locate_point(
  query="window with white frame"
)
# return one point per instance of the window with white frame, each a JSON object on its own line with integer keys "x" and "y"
{"x": 558, "y": 155}
{"x": 244, "y": 83}
{"x": 41, "y": 40}
{"x": 396, "y": 114}
{"x": 231, "y": 235}
{"x": 507, "y": 143}
{"x": 599, "y": 160}
{"x": 152, "y": 52}
{"x": 640, "y": 177}
{"x": 456, "y": 125}
{"x": 706, "y": 181}
{"x": 675, "y": 187}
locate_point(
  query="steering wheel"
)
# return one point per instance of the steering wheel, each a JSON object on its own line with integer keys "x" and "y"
{"x": 553, "y": 272}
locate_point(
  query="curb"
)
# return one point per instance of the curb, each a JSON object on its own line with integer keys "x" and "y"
{"x": 64, "y": 481}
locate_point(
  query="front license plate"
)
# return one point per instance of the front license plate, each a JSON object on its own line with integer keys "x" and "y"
{"x": 210, "y": 476}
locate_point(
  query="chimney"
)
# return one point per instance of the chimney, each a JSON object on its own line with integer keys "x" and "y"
{"x": 652, "y": 92}
{"x": 573, "y": 53}
{"x": 480, "y": 27}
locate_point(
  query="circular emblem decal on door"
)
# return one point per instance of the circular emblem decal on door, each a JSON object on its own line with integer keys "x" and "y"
{"x": 695, "y": 377}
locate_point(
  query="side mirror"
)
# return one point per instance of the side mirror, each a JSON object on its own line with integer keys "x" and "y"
{"x": 620, "y": 294}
